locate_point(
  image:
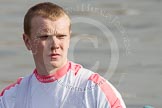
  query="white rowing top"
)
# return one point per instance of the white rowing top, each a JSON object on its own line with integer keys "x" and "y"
{"x": 70, "y": 87}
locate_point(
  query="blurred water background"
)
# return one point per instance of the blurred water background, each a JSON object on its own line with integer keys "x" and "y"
{"x": 135, "y": 25}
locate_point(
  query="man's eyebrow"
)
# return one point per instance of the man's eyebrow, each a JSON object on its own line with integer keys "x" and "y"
{"x": 61, "y": 34}
{"x": 49, "y": 34}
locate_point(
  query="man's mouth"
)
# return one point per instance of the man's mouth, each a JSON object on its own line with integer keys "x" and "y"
{"x": 54, "y": 55}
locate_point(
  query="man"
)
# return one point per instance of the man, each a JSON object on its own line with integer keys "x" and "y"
{"x": 56, "y": 82}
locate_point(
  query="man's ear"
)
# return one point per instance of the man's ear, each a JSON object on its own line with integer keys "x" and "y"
{"x": 69, "y": 38}
{"x": 70, "y": 32}
{"x": 27, "y": 42}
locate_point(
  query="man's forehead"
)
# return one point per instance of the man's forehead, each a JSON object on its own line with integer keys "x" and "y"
{"x": 46, "y": 31}
{"x": 61, "y": 21}
{"x": 43, "y": 25}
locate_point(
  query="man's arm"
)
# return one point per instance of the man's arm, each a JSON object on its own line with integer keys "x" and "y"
{"x": 1, "y": 102}
{"x": 107, "y": 95}
{"x": 8, "y": 94}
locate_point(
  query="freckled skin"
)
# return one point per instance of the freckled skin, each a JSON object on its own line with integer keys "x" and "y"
{"x": 49, "y": 37}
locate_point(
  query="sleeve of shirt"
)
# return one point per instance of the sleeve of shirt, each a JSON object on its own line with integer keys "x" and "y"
{"x": 1, "y": 102}
{"x": 7, "y": 100}
{"x": 119, "y": 100}
{"x": 8, "y": 95}
{"x": 107, "y": 95}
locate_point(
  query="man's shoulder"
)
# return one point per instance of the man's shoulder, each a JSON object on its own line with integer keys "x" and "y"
{"x": 107, "y": 89}
{"x": 86, "y": 73}
{"x": 12, "y": 88}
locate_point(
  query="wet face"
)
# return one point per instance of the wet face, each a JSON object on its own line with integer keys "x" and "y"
{"x": 49, "y": 43}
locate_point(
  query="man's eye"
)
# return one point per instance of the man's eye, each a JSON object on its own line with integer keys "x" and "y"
{"x": 61, "y": 36}
{"x": 43, "y": 37}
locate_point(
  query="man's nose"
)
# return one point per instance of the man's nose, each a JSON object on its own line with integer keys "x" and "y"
{"x": 54, "y": 42}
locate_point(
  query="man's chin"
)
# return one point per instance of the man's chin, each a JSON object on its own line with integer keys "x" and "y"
{"x": 55, "y": 64}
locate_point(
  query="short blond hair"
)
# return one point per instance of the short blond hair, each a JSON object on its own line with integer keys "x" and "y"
{"x": 45, "y": 10}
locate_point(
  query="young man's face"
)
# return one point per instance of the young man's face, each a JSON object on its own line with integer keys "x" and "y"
{"x": 49, "y": 42}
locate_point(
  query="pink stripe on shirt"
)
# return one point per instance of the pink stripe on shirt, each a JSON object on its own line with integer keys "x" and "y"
{"x": 107, "y": 89}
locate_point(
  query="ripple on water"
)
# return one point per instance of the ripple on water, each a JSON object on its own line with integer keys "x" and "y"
{"x": 118, "y": 8}
{"x": 7, "y": 53}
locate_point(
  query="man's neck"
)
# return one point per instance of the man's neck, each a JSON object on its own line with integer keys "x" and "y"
{"x": 48, "y": 70}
